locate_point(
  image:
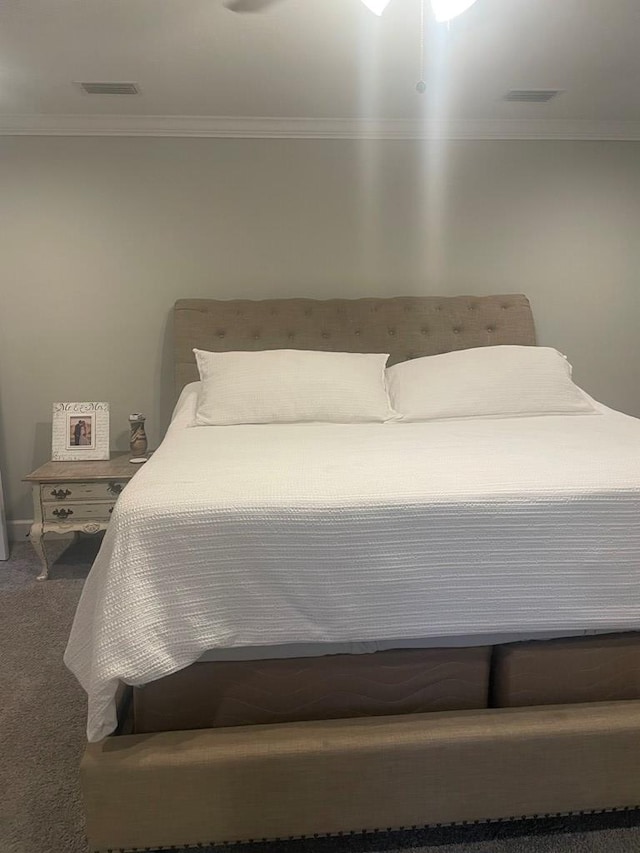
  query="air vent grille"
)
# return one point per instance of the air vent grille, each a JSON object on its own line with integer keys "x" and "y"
{"x": 532, "y": 96}
{"x": 110, "y": 88}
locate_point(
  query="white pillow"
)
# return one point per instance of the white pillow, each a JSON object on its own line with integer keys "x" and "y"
{"x": 486, "y": 382}
{"x": 185, "y": 409}
{"x": 284, "y": 386}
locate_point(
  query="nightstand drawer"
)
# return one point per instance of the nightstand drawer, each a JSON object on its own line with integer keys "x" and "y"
{"x": 71, "y": 512}
{"x": 97, "y": 491}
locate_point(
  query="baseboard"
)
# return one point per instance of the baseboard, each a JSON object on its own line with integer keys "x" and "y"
{"x": 4, "y": 543}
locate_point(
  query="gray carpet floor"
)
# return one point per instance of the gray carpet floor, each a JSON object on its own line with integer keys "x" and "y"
{"x": 42, "y": 718}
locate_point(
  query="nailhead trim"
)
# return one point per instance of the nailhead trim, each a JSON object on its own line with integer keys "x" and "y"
{"x": 378, "y": 830}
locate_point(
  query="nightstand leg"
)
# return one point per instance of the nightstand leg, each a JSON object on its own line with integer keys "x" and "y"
{"x": 37, "y": 540}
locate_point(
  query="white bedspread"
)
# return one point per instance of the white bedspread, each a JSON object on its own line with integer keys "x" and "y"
{"x": 312, "y": 533}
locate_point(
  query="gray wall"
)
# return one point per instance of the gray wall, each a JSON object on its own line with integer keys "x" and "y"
{"x": 98, "y": 237}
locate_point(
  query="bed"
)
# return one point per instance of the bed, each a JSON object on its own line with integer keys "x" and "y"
{"x": 428, "y": 700}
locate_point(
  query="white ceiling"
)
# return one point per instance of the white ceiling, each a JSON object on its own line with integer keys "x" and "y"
{"x": 318, "y": 61}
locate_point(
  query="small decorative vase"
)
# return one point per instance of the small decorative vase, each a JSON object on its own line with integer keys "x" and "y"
{"x": 137, "y": 439}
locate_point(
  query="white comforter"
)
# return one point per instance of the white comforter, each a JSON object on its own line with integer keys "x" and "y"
{"x": 274, "y": 534}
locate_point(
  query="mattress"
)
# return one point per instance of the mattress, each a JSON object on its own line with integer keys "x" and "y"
{"x": 567, "y": 671}
{"x": 259, "y": 692}
{"x": 321, "y": 533}
{"x": 401, "y": 681}
{"x": 367, "y": 647}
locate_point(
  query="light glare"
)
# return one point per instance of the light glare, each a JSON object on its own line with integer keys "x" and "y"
{"x": 445, "y": 10}
{"x": 376, "y": 6}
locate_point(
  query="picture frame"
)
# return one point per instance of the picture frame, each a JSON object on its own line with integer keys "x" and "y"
{"x": 80, "y": 432}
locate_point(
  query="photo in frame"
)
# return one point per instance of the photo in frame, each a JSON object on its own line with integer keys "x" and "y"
{"x": 80, "y": 431}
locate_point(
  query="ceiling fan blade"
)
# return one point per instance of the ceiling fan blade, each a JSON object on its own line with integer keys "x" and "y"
{"x": 249, "y": 6}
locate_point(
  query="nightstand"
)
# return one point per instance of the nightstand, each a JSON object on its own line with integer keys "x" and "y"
{"x": 75, "y": 497}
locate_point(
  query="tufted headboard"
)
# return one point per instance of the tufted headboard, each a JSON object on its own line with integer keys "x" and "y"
{"x": 404, "y": 326}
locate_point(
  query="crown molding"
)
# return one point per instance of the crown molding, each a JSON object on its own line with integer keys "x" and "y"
{"x": 226, "y": 127}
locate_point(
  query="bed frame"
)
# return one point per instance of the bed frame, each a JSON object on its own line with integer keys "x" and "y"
{"x": 287, "y": 780}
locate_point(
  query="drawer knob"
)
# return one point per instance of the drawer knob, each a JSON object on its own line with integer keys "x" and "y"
{"x": 60, "y": 494}
{"x": 62, "y": 513}
{"x": 115, "y": 488}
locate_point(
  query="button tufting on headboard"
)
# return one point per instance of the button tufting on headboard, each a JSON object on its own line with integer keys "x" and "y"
{"x": 405, "y": 327}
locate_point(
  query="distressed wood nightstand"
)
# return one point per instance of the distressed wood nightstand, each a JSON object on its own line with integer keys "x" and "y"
{"x": 75, "y": 497}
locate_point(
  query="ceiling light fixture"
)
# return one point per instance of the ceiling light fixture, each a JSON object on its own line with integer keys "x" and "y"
{"x": 443, "y": 10}
{"x": 376, "y": 6}
{"x": 446, "y": 10}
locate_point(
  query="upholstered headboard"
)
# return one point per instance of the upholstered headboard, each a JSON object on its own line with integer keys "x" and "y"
{"x": 404, "y": 326}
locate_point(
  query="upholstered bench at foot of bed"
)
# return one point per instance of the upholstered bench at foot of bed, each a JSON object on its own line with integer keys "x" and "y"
{"x": 296, "y": 779}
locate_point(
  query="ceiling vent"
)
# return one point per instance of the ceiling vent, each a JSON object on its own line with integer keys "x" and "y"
{"x": 532, "y": 96}
{"x": 110, "y": 88}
